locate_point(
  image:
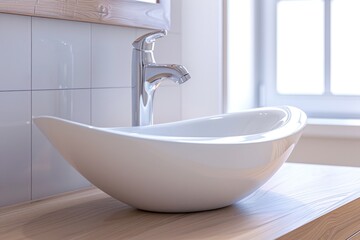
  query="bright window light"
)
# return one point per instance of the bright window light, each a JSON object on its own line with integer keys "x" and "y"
{"x": 300, "y": 47}
{"x": 148, "y": 1}
{"x": 345, "y": 47}
{"x": 303, "y": 53}
{"x": 240, "y": 41}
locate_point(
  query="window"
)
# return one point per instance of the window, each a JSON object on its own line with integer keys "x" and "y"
{"x": 300, "y": 47}
{"x": 310, "y": 55}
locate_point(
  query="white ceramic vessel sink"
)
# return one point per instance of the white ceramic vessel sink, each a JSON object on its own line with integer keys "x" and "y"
{"x": 185, "y": 166}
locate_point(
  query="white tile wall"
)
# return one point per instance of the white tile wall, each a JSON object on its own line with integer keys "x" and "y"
{"x": 15, "y": 49}
{"x": 78, "y": 71}
{"x": 163, "y": 46}
{"x": 111, "y": 55}
{"x": 51, "y": 174}
{"x": 71, "y": 104}
{"x": 176, "y": 11}
{"x": 201, "y": 41}
{"x": 15, "y": 147}
{"x": 111, "y": 107}
{"x": 167, "y": 104}
{"x": 61, "y": 54}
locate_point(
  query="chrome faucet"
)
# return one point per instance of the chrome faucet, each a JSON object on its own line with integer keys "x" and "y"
{"x": 147, "y": 76}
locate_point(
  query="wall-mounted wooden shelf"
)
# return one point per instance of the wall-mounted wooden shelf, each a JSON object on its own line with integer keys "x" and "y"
{"x": 116, "y": 12}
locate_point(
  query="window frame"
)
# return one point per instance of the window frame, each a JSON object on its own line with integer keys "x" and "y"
{"x": 319, "y": 106}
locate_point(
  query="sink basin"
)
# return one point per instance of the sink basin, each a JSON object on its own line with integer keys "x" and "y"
{"x": 185, "y": 166}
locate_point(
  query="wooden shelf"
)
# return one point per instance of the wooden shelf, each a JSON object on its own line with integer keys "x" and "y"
{"x": 299, "y": 202}
{"x": 125, "y": 12}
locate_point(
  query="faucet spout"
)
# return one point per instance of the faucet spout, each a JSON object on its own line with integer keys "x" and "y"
{"x": 155, "y": 73}
{"x": 147, "y": 76}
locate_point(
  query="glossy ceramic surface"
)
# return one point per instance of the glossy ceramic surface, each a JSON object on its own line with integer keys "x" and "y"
{"x": 60, "y": 54}
{"x": 184, "y": 166}
{"x": 50, "y": 173}
{"x": 15, "y": 48}
{"x": 15, "y": 147}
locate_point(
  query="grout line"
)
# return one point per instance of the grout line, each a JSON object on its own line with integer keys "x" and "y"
{"x": 91, "y": 71}
{"x": 59, "y": 89}
{"x": 31, "y": 108}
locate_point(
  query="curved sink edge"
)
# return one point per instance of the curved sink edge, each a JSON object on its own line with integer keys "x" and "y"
{"x": 124, "y": 131}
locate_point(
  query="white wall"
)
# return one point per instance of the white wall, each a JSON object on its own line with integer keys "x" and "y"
{"x": 73, "y": 70}
{"x": 327, "y": 151}
{"x": 202, "y": 46}
{"x": 331, "y": 142}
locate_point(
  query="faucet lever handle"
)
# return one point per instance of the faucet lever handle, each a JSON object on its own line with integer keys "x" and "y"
{"x": 146, "y": 42}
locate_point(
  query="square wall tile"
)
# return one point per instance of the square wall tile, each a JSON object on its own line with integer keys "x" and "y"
{"x": 111, "y": 107}
{"x": 51, "y": 174}
{"x": 111, "y": 55}
{"x": 60, "y": 54}
{"x": 68, "y": 104}
{"x": 15, "y": 49}
{"x": 167, "y": 104}
{"x": 15, "y": 147}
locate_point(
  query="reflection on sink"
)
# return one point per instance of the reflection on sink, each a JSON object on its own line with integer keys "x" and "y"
{"x": 185, "y": 166}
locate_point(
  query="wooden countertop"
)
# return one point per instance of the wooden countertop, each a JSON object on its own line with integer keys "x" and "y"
{"x": 299, "y": 202}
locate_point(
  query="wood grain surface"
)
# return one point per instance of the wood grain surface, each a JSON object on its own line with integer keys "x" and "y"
{"x": 116, "y": 12}
{"x": 341, "y": 223}
{"x": 299, "y": 202}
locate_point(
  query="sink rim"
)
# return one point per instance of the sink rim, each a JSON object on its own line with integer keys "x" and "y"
{"x": 295, "y": 120}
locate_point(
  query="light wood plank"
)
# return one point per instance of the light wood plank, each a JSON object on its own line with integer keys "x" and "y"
{"x": 115, "y": 12}
{"x": 341, "y": 223}
{"x": 297, "y": 195}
